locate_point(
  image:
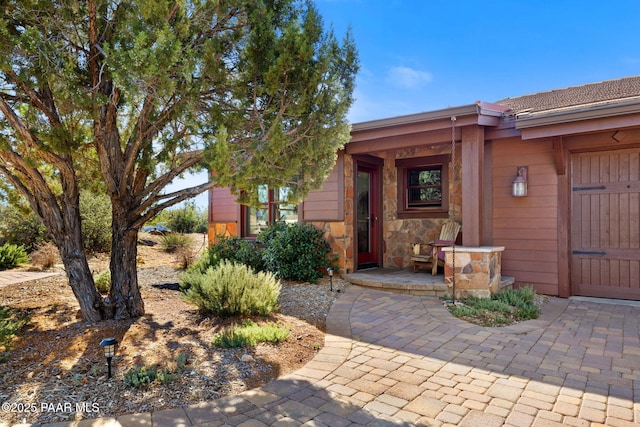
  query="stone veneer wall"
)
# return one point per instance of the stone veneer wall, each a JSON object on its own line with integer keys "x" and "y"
{"x": 477, "y": 270}
{"x": 399, "y": 234}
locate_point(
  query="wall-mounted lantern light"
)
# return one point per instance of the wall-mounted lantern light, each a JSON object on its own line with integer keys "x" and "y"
{"x": 519, "y": 185}
{"x": 109, "y": 347}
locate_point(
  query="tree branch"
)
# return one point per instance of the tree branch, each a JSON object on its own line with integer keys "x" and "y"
{"x": 173, "y": 199}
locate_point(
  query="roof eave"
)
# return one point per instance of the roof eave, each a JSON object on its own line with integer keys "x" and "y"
{"x": 447, "y": 113}
{"x": 589, "y": 113}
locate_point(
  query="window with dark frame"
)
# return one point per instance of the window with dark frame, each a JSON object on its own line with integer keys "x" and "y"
{"x": 423, "y": 187}
{"x": 275, "y": 207}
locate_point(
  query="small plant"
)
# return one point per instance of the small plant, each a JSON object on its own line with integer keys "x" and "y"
{"x": 12, "y": 255}
{"x": 11, "y": 323}
{"x": 232, "y": 289}
{"x": 501, "y": 309}
{"x": 103, "y": 281}
{"x": 140, "y": 376}
{"x": 249, "y": 334}
{"x": 45, "y": 256}
{"x": 181, "y": 360}
{"x": 171, "y": 242}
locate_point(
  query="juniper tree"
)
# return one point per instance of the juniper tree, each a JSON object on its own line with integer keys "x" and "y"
{"x": 133, "y": 93}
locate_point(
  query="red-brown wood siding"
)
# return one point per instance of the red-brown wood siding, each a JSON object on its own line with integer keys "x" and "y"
{"x": 605, "y": 220}
{"x": 526, "y": 226}
{"x": 223, "y": 206}
{"x": 327, "y": 203}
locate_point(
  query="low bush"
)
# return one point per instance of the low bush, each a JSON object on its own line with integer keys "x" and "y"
{"x": 12, "y": 256}
{"x": 231, "y": 289}
{"x": 250, "y": 334}
{"x": 172, "y": 242}
{"x": 185, "y": 256}
{"x": 21, "y": 226}
{"x": 95, "y": 210}
{"x": 295, "y": 251}
{"x": 234, "y": 249}
{"x": 102, "y": 281}
{"x": 187, "y": 219}
{"x": 45, "y": 255}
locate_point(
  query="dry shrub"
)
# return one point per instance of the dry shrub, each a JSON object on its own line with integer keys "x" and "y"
{"x": 185, "y": 256}
{"x": 45, "y": 256}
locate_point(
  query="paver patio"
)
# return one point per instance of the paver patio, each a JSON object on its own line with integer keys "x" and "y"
{"x": 392, "y": 359}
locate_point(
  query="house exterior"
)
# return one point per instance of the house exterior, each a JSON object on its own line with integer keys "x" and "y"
{"x": 576, "y": 232}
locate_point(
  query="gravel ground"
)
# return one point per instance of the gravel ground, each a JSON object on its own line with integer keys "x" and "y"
{"x": 56, "y": 360}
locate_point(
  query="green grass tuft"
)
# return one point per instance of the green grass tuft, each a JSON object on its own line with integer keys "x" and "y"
{"x": 504, "y": 308}
{"x": 249, "y": 334}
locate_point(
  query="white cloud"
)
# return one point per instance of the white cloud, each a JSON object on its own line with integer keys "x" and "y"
{"x": 407, "y": 78}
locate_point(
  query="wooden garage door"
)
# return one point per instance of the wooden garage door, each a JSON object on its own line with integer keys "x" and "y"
{"x": 605, "y": 224}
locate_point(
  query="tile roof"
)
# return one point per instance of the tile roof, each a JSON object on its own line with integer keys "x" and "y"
{"x": 607, "y": 92}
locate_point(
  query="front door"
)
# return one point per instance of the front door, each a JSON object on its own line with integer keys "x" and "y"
{"x": 605, "y": 224}
{"x": 367, "y": 216}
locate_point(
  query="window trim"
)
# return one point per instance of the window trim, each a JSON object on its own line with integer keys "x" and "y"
{"x": 402, "y": 168}
{"x": 271, "y": 205}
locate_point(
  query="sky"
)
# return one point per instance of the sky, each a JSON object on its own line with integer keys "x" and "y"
{"x": 424, "y": 55}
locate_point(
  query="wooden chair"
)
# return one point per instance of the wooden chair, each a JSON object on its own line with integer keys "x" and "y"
{"x": 434, "y": 256}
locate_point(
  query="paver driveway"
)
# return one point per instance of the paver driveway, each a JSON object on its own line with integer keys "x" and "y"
{"x": 393, "y": 359}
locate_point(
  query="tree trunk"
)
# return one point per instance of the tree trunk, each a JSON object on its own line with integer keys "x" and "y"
{"x": 66, "y": 231}
{"x": 124, "y": 293}
{"x": 81, "y": 282}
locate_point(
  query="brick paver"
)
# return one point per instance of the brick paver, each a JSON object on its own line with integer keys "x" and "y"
{"x": 393, "y": 359}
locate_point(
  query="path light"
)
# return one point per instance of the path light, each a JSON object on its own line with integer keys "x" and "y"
{"x": 109, "y": 347}
{"x": 520, "y": 183}
{"x": 330, "y": 271}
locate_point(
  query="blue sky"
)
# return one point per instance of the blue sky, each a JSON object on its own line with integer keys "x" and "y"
{"x": 422, "y": 55}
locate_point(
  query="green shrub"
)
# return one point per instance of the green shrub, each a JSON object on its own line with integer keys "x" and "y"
{"x": 103, "y": 281}
{"x": 234, "y": 249}
{"x": 186, "y": 219}
{"x": 21, "y": 226}
{"x": 231, "y": 289}
{"x": 250, "y": 334}
{"x": 295, "y": 251}
{"x": 95, "y": 211}
{"x": 12, "y": 255}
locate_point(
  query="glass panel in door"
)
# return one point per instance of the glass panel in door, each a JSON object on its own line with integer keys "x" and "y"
{"x": 364, "y": 212}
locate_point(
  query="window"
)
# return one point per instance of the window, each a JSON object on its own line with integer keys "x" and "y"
{"x": 275, "y": 208}
{"x": 423, "y": 187}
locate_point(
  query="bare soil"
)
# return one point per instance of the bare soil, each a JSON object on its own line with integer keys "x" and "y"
{"x": 57, "y": 372}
